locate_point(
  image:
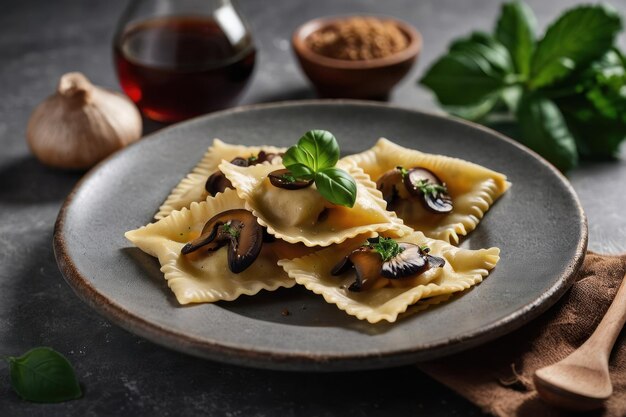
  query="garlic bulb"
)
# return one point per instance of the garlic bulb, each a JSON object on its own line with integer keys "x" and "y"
{"x": 81, "y": 124}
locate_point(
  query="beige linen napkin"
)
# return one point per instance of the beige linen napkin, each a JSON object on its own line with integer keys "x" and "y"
{"x": 497, "y": 377}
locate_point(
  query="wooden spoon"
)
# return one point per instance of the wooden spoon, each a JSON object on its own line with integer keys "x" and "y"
{"x": 581, "y": 381}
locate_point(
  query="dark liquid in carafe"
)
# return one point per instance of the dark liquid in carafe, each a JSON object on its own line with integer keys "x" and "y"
{"x": 175, "y": 68}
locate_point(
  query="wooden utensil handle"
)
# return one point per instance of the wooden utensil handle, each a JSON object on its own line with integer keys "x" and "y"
{"x": 605, "y": 335}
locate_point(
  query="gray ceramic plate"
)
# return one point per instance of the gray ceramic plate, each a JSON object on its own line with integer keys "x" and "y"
{"x": 538, "y": 224}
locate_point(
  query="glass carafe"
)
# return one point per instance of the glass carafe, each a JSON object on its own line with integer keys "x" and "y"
{"x": 177, "y": 59}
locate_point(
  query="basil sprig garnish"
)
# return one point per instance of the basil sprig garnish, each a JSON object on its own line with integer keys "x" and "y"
{"x": 387, "y": 248}
{"x": 314, "y": 157}
{"x": 234, "y": 232}
{"x": 288, "y": 178}
{"x": 428, "y": 188}
{"x": 43, "y": 375}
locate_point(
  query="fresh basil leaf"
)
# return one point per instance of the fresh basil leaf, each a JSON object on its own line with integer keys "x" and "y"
{"x": 475, "y": 112}
{"x": 596, "y": 136}
{"x": 336, "y": 186}
{"x": 511, "y": 97}
{"x": 468, "y": 79}
{"x": 604, "y": 85}
{"x": 314, "y": 157}
{"x": 301, "y": 171}
{"x": 463, "y": 78}
{"x": 296, "y": 156}
{"x": 488, "y": 52}
{"x": 516, "y": 30}
{"x": 43, "y": 375}
{"x": 507, "y": 126}
{"x": 578, "y": 37}
{"x": 595, "y": 110}
{"x": 317, "y": 149}
{"x": 543, "y": 129}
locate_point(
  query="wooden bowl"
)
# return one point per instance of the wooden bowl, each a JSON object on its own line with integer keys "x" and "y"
{"x": 363, "y": 79}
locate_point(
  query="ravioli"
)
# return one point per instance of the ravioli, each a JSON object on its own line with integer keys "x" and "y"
{"x": 304, "y": 215}
{"x": 206, "y": 277}
{"x": 472, "y": 187}
{"x": 191, "y": 188}
{"x": 463, "y": 269}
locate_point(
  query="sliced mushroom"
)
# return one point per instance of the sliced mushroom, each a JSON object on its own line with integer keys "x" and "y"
{"x": 218, "y": 183}
{"x": 342, "y": 266}
{"x": 387, "y": 184}
{"x": 410, "y": 262}
{"x": 435, "y": 261}
{"x": 283, "y": 178}
{"x": 240, "y": 162}
{"x": 371, "y": 269}
{"x": 366, "y": 263}
{"x": 208, "y": 239}
{"x": 407, "y": 263}
{"x": 265, "y": 157}
{"x": 437, "y": 201}
{"x": 239, "y": 229}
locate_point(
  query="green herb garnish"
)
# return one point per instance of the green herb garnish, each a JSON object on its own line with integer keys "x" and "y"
{"x": 233, "y": 231}
{"x": 387, "y": 248}
{"x": 566, "y": 90}
{"x": 403, "y": 171}
{"x": 43, "y": 375}
{"x": 288, "y": 178}
{"x": 252, "y": 158}
{"x": 425, "y": 248}
{"x": 428, "y": 188}
{"x": 314, "y": 157}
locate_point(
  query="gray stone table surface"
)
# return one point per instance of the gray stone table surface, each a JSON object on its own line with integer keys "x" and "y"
{"x": 124, "y": 375}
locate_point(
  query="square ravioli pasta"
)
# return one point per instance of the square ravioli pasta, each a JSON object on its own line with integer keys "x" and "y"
{"x": 304, "y": 216}
{"x": 463, "y": 268}
{"x": 471, "y": 187}
{"x": 192, "y": 188}
{"x": 205, "y": 276}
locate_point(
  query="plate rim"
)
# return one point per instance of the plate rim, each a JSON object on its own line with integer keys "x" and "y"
{"x": 311, "y": 361}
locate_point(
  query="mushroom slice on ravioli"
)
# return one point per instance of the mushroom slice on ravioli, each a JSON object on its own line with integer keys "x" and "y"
{"x": 303, "y": 215}
{"x": 386, "y": 296}
{"x": 199, "y": 267}
{"x": 442, "y": 197}
{"x": 193, "y": 188}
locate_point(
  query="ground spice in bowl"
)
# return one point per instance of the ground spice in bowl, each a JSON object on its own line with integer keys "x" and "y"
{"x": 360, "y": 57}
{"x": 358, "y": 39}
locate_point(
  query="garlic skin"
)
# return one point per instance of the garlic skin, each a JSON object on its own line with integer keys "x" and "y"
{"x": 81, "y": 124}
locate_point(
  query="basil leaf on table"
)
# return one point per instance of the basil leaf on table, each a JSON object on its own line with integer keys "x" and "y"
{"x": 578, "y": 37}
{"x": 336, "y": 186}
{"x": 543, "y": 129}
{"x": 516, "y": 30}
{"x": 317, "y": 149}
{"x": 43, "y": 375}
